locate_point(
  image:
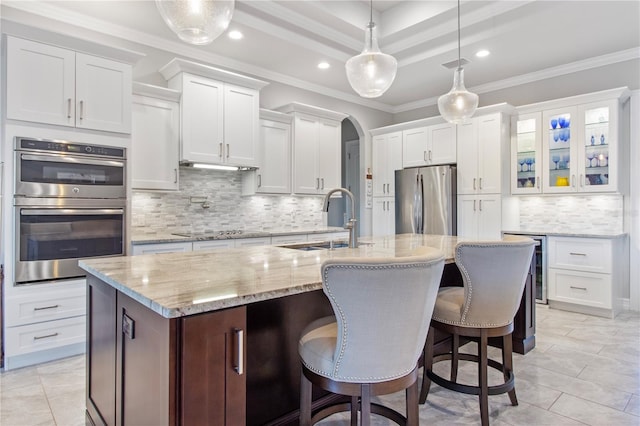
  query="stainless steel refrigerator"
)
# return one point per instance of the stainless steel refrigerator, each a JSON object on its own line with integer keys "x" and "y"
{"x": 426, "y": 200}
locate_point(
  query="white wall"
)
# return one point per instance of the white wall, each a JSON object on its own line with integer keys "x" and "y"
{"x": 634, "y": 204}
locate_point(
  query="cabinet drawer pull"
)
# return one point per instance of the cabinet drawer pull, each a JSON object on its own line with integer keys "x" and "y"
{"x": 46, "y": 336}
{"x": 577, "y": 254}
{"x": 81, "y": 110}
{"x": 69, "y": 108}
{"x": 228, "y": 150}
{"x": 42, "y": 308}
{"x": 578, "y": 288}
{"x": 239, "y": 364}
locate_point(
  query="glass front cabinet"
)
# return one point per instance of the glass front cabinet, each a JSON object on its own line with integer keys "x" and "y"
{"x": 566, "y": 150}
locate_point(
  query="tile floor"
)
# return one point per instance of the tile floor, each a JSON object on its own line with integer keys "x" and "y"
{"x": 584, "y": 370}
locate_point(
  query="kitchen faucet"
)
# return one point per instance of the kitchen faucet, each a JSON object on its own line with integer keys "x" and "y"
{"x": 351, "y": 224}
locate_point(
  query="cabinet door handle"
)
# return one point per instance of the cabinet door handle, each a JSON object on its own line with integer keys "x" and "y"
{"x": 577, "y": 254}
{"x": 81, "y": 110}
{"x": 322, "y": 180}
{"x": 220, "y": 150}
{"x": 228, "y": 150}
{"x": 474, "y": 205}
{"x": 239, "y": 364}
{"x": 480, "y": 205}
{"x": 578, "y": 288}
{"x": 430, "y": 156}
{"x": 42, "y": 308}
{"x": 175, "y": 175}
{"x": 538, "y": 182}
{"x": 582, "y": 180}
{"x": 480, "y": 183}
{"x": 384, "y": 188}
{"x": 69, "y": 108}
{"x": 317, "y": 183}
{"x": 573, "y": 181}
{"x": 259, "y": 181}
{"x": 424, "y": 156}
{"x": 46, "y": 336}
{"x": 474, "y": 184}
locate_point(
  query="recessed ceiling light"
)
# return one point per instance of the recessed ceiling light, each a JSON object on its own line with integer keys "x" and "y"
{"x": 235, "y": 35}
{"x": 482, "y": 53}
{"x": 324, "y": 65}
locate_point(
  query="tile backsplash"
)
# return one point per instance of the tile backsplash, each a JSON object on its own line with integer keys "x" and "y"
{"x": 572, "y": 213}
{"x": 183, "y": 211}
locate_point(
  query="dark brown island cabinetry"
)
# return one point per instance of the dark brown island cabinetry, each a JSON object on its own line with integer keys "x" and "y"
{"x": 236, "y": 366}
{"x": 144, "y": 369}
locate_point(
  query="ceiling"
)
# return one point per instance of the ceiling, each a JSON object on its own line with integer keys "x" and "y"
{"x": 284, "y": 40}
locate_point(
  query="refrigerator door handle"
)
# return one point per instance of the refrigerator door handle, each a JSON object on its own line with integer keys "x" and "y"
{"x": 416, "y": 205}
{"x": 421, "y": 206}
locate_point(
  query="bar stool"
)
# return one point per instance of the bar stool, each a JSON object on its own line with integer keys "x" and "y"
{"x": 371, "y": 347}
{"x": 494, "y": 275}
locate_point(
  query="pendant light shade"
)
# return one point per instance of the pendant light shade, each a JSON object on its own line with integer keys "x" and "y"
{"x": 371, "y": 72}
{"x": 459, "y": 104}
{"x": 197, "y": 21}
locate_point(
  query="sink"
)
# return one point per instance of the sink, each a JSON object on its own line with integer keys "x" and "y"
{"x": 320, "y": 245}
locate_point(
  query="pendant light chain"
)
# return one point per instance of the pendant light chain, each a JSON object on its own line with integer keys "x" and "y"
{"x": 458, "y": 33}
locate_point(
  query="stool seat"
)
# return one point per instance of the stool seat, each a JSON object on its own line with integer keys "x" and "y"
{"x": 372, "y": 344}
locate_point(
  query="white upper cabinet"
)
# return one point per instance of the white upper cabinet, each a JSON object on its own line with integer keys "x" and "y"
{"x": 429, "y": 145}
{"x": 274, "y": 156}
{"x": 482, "y": 142}
{"x": 219, "y": 114}
{"x": 317, "y": 148}
{"x": 155, "y": 138}
{"x": 53, "y": 85}
{"x": 571, "y": 145}
{"x": 387, "y": 158}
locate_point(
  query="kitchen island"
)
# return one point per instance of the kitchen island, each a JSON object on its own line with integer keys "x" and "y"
{"x": 211, "y": 337}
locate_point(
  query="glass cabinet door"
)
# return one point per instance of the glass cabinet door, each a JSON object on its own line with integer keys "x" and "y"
{"x": 559, "y": 154}
{"x": 598, "y": 147}
{"x": 526, "y": 164}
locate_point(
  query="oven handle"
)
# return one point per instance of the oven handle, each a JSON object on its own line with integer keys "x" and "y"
{"x": 67, "y": 159}
{"x": 57, "y": 212}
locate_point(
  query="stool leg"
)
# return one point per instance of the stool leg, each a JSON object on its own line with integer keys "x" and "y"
{"x": 413, "y": 415}
{"x": 354, "y": 411}
{"x": 482, "y": 377}
{"x": 305, "y": 401}
{"x": 428, "y": 365}
{"x": 365, "y": 405}
{"x": 507, "y": 364}
{"x": 455, "y": 343}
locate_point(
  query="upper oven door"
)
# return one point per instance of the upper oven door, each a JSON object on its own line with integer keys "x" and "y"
{"x": 69, "y": 176}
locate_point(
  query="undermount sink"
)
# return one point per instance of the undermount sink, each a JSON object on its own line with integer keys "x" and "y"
{"x": 321, "y": 245}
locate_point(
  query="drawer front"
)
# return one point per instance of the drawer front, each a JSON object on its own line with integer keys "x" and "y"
{"x": 212, "y": 245}
{"x": 580, "y": 254}
{"x": 45, "y": 305}
{"x": 288, "y": 239}
{"x": 328, "y": 236}
{"x": 250, "y": 242}
{"x": 162, "y": 248}
{"x": 582, "y": 288}
{"x": 48, "y": 335}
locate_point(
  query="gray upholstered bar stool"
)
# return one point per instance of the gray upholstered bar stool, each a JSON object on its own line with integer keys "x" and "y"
{"x": 494, "y": 275}
{"x": 372, "y": 346}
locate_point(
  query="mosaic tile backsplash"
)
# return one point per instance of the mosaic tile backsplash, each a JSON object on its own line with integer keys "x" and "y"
{"x": 572, "y": 213}
{"x": 154, "y": 212}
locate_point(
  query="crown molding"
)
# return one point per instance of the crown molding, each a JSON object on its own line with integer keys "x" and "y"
{"x": 152, "y": 91}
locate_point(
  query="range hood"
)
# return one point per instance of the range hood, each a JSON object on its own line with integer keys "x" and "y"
{"x": 210, "y": 166}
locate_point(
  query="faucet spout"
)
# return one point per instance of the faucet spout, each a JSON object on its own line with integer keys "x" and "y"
{"x": 351, "y": 224}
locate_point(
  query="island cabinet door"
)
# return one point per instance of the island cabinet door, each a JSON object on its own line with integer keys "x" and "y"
{"x": 213, "y": 379}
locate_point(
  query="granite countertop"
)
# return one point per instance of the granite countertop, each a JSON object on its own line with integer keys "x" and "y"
{"x": 179, "y": 284}
{"x": 566, "y": 233}
{"x": 177, "y": 236}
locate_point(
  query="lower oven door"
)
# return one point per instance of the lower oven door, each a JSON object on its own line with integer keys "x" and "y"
{"x": 51, "y": 239}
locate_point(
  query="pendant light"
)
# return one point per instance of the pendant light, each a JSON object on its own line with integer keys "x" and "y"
{"x": 371, "y": 72}
{"x": 459, "y": 104}
{"x": 197, "y": 21}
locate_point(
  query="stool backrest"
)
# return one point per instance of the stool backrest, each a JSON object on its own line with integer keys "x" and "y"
{"x": 494, "y": 275}
{"x": 383, "y": 307}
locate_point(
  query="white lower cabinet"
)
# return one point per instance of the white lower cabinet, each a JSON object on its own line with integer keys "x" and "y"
{"x": 179, "y": 247}
{"x": 44, "y": 322}
{"x": 587, "y": 274}
{"x": 480, "y": 216}
{"x": 213, "y": 245}
{"x": 384, "y": 216}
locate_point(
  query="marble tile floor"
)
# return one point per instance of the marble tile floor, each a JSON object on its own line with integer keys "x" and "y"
{"x": 584, "y": 370}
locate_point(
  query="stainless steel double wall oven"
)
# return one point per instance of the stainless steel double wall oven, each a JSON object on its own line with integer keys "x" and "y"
{"x": 70, "y": 203}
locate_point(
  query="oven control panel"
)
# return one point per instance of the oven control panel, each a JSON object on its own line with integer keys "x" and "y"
{"x": 69, "y": 147}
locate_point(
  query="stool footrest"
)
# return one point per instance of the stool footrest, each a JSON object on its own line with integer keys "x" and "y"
{"x": 381, "y": 410}
{"x": 468, "y": 389}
